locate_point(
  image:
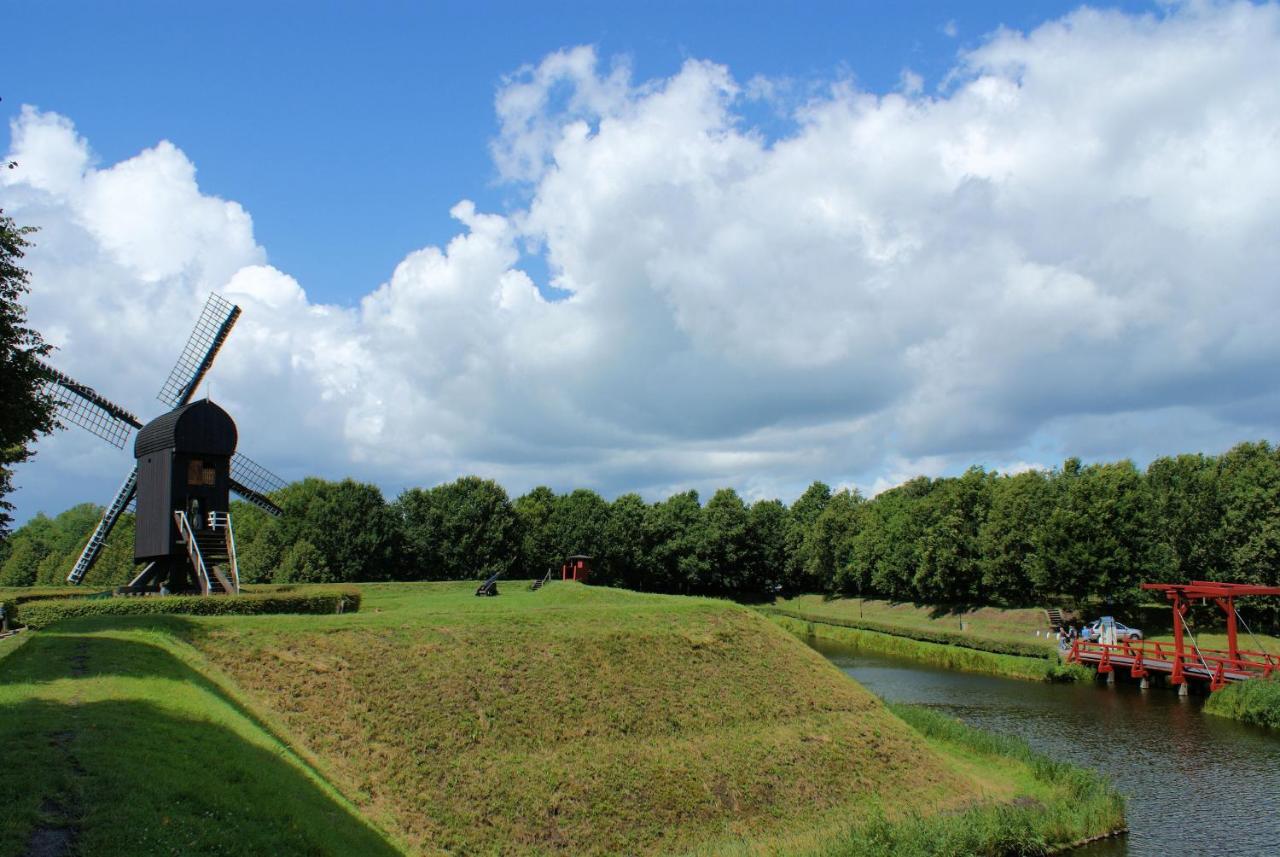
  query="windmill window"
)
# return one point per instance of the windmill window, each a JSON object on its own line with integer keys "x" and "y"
{"x": 198, "y": 474}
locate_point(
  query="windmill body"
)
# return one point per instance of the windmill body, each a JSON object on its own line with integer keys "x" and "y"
{"x": 187, "y": 467}
{"x": 184, "y": 499}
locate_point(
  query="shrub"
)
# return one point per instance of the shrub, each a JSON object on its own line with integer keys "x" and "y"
{"x": 43, "y": 613}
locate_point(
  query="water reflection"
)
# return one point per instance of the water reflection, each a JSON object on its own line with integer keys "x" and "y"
{"x": 1196, "y": 784}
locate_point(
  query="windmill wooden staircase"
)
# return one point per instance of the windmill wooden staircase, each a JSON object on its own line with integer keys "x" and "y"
{"x": 212, "y": 552}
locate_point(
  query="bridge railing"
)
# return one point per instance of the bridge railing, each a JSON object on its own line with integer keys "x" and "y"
{"x": 1216, "y": 664}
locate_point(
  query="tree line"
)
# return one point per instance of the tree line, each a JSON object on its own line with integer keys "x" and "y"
{"x": 1084, "y": 533}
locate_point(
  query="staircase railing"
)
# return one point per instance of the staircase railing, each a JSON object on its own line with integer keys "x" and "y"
{"x": 222, "y": 520}
{"x": 193, "y": 549}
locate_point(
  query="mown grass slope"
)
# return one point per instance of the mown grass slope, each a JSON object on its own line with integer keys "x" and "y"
{"x": 112, "y": 744}
{"x": 573, "y": 720}
{"x": 581, "y": 720}
{"x": 995, "y": 626}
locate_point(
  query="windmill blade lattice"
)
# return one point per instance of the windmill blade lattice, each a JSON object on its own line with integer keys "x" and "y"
{"x": 216, "y": 320}
{"x": 98, "y": 539}
{"x": 254, "y": 482}
{"x": 81, "y": 405}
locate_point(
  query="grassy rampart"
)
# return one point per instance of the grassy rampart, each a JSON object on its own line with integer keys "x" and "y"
{"x": 573, "y": 720}
{"x": 115, "y": 745}
{"x": 1060, "y": 805}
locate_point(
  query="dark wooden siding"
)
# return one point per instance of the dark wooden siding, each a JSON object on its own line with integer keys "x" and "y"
{"x": 155, "y": 528}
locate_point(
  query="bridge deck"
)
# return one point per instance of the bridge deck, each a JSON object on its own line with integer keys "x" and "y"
{"x": 1147, "y": 656}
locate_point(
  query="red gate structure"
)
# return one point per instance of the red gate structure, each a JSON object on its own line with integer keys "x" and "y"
{"x": 1218, "y": 666}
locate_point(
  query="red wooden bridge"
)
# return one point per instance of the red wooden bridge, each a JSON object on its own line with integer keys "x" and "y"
{"x": 1179, "y": 660}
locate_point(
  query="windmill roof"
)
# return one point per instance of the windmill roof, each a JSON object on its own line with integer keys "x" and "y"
{"x": 201, "y": 427}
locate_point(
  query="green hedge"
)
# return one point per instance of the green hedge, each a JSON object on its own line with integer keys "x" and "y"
{"x": 43, "y": 613}
{"x": 946, "y": 638}
{"x": 15, "y": 595}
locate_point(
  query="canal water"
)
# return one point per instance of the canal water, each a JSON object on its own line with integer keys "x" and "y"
{"x": 1195, "y": 784}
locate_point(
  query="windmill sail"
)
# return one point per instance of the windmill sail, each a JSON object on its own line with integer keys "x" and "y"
{"x": 254, "y": 482}
{"x": 215, "y": 322}
{"x": 81, "y": 405}
{"x": 99, "y": 537}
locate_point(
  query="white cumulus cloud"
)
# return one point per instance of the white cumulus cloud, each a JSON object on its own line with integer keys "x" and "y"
{"x": 1067, "y": 247}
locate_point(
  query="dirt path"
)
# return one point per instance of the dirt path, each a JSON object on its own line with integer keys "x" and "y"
{"x": 58, "y": 838}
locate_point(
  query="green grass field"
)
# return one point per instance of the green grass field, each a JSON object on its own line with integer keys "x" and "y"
{"x": 993, "y": 626}
{"x": 573, "y": 720}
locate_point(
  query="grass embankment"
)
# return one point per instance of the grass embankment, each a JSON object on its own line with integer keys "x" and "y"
{"x": 1256, "y": 702}
{"x": 1059, "y": 806}
{"x": 984, "y": 640}
{"x": 994, "y": 629}
{"x": 571, "y": 720}
{"x": 113, "y": 744}
{"x": 1047, "y": 668}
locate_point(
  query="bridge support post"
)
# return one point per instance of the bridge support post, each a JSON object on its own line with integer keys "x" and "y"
{"x": 1111, "y": 677}
{"x": 1145, "y": 683}
{"x": 1182, "y": 689}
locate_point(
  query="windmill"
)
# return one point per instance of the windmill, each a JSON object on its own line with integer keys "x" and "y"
{"x": 187, "y": 464}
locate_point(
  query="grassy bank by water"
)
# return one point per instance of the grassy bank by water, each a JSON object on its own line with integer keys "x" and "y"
{"x": 1060, "y": 805}
{"x": 1256, "y": 702}
{"x": 572, "y": 720}
{"x": 1044, "y": 668}
{"x": 988, "y": 629}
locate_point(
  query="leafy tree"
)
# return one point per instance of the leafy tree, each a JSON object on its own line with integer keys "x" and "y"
{"x": 804, "y": 514}
{"x": 25, "y": 413}
{"x": 829, "y": 555}
{"x": 623, "y": 560}
{"x": 1010, "y": 535}
{"x": 1249, "y": 486}
{"x": 578, "y": 522}
{"x": 951, "y": 515}
{"x": 461, "y": 530}
{"x": 1096, "y": 541}
{"x": 886, "y": 549}
{"x": 1186, "y": 517}
{"x": 28, "y": 547}
{"x": 303, "y": 563}
{"x": 538, "y": 551}
{"x": 724, "y": 552}
{"x": 672, "y": 541}
{"x": 767, "y": 527}
{"x": 355, "y": 531}
{"x": 260, "y": 543}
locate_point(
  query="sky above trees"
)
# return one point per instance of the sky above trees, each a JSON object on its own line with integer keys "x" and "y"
{"x": 678, "y": 258}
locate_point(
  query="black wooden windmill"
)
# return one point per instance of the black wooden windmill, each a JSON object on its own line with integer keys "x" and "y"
{"x": 186, "y": 466}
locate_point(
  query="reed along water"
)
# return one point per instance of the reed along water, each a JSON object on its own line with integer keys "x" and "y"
{"x": 1196, "y": 784}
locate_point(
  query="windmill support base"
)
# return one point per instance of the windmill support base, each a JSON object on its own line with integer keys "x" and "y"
{"x": 162, "y": 577}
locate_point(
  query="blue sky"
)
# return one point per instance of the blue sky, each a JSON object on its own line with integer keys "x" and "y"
{"x": 349, "y": 130}
{"x": 657, "y": 247}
